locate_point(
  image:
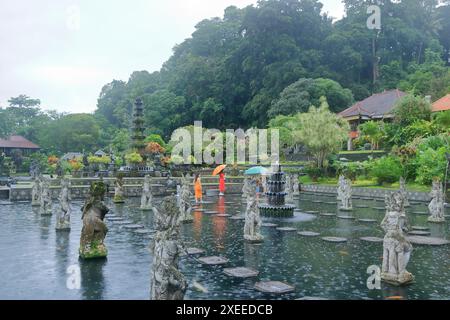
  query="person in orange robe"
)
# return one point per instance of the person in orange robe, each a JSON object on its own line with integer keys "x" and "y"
{"x": 222, "y": 183}
{"x": 197, "y": 188}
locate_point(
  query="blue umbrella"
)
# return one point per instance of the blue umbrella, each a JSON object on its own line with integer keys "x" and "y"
{"x": 256, "y": 171}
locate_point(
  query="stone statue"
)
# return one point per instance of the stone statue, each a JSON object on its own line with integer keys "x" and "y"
{"x": 396, "y": 248}
{"x": 146, "y": 198}
{"x": 289, "y": 190}
{"x": 344, "y": 192}
{"x": 184, "y": 200}
{"x": 46, "y": 199}
{"x": 118, "y": 190}
{"x": 296, "y": 185}
{"x": 252, "y": 218}
{"x": 63, "y": 214}
{"x": 94, "y": 229}
{"x": 436, "y": 206}
{"x": 245, "y": 187}
{"x": 167, "y": 282}
{"x": 36, "y": 192}
{"x": 403, "y": 191}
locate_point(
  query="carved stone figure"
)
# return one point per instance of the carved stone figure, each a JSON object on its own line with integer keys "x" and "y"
{"x": 245, "y": 187}
{"x": 119, "y": 191}
{"x": 396, "y": 248}
{"x": 252, "y": 225}
{"x": 36, "y": 192}
{"x": 289, "y": 190}
{"x": 403, "y": 191}
{"x": 184, "y": 200}
{"x": 64, "y": 211}
{"x": 167, "y": 282}
{"x": 46, "y": 199}
{"x": 296, "y": 185}
{"x": 94, "y": 229}
{"x": 436, "y": 206}
{"x": 344, "y": 192}
{"x": 147, "y": 197}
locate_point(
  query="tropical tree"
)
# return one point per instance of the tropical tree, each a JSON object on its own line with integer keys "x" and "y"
{"x": 373, "y": 131}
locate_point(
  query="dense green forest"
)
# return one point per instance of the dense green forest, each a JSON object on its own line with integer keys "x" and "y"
{"x": 278, "y": 57}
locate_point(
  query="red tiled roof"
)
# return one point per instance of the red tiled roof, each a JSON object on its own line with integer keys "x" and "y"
{"x": 17, "y": 142}
{"x": 442, "y": 104}
{"x": 377, "y": 105}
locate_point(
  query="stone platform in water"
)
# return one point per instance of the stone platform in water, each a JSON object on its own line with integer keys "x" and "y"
{"x": 334, "y": 239}
{"x": 346, "y": 217}
{"x": 371, "y": 239}
{"x": 269, "y": 225}
{"x": 308, "y": 233}
{"x": 199, "y": 210}
{"x": 213, "y": 260}
{"x": 361, "y": 206}
{"x": 379, "y": 208}
{"x": 277, "y": 287}
{"x": 419, "y": 233}
{"x": 5, "y": 203}
{"x": 114, "y": 218}
{"x": 222, "y": 215}
{"x": 194, "y": 251}
{"x": 211, "y": 212}
{"x": 312, "y": 298}
{"x": 312, "y": 212}
{"x": 240, "y": 272}
{"x": 237, "y": 218}
{"x": 286, "y": 229}
{"x": 427, "y": 240}
{"x": 133, "y": 226}
{"x": 123, "y": 222}
{"x": 421, "y": 213}
{"x": 144, "y": 231}
{"x": 367, "y": 220}
{"x": 325, "y": 214}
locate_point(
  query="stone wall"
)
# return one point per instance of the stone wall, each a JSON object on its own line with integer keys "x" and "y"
{"x": 367, "y": 192}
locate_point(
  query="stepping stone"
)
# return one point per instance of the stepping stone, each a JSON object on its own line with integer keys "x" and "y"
{"x": 427, "y": 240}
{"x": 334, "y": 239}
{"x": 6, "y": 203}
{"x": 114, "y": 218}
{"x": 312, "y": 212}
{"x": 237, "y": 218}
{"x": 422, "y": 213}
{"x": 213, "y": 260}
{"x": 286, "y": 229}
{"x": 123, "y": 222}
{"x": 367, "y": 220}
{"x": 199, "y": 210}
{"x": 312, "y": 298}
{"x": 420, "y": 228}
{"x": 269, "y": 225}
{"x": 222, "y": 215}
{"x": 211, "y": 212}
{"x": 367, "y": 199}
{"x": 371, "y": 239}
{"x": 346, "y": 217}
{"x": 133, "y": 226}
{"x": 273, "y": 287}
{"x": 144, "y": 231}
{"x": 419, "y": 233}
{"x": 361, "y": 206}
{"x": 317, "y": 201}
{"x": 379, "y": 208}
{"x": 308, "y": 233}
{"x": 331, "y": 202}
{"x": 328, "y": 214}
{"x": 240, "y": 272}
{"x": 193, "y": 251}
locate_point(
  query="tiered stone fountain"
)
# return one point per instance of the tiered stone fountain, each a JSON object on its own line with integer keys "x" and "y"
{"x": 276, "y": 194}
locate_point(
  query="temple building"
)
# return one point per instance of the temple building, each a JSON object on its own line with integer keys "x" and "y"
{"x": 379, "y": 106}
{"x": 8, "y": 145}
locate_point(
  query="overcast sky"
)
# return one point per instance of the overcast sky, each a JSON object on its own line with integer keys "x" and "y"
{"x": 47, "y": 53}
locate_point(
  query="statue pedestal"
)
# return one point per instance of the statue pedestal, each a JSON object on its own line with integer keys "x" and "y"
{"x": 253, "y": 239}
{"x": 146, "y": 208}
{"x": 118, "y": 200}
{"x": 397, "y": 279}
{"x": 94, "y": 251}
{"x": 436, "y": 219}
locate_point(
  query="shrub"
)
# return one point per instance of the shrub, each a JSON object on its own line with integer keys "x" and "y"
{"x": 431, "y": 164}
{"x": 351, "y": 170}
{"x": 133, "y": 158}
{"x": 386, "y": 169}
{"x": 313, "y": 172}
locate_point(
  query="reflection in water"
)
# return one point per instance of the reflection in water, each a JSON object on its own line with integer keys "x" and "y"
{"x": 219, "y": 228}
{"x": 252, "y": 255}
{"x": 197, "y": 225}
{"x": 62, "y": 251}
{"x": 92, "y": 280}
{"x": 44, "y": 226}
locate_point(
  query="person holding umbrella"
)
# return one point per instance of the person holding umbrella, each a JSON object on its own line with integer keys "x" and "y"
{"x": 219, "y": 171}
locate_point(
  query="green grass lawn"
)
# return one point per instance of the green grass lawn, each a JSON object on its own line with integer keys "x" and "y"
{"x": 365, "y": 183}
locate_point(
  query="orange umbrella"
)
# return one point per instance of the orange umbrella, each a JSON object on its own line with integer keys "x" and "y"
{"x": 219, "y": 169}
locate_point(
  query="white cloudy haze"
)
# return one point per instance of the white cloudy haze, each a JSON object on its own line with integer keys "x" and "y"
{"x": 47, "y": 53}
